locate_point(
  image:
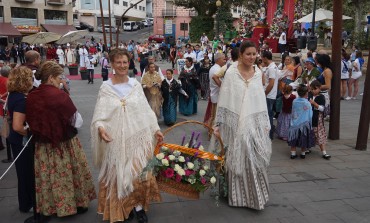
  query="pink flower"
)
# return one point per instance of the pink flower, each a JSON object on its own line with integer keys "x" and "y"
{"x": 188, "y": 172}
{"x": 178, "y": 178}
{"x": 203, "y": 180}
{"x": 169, "y": 173}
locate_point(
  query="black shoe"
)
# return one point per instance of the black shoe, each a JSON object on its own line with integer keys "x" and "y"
{"x": 81, "y": 210}
{"x": 326, "y": 156}
{"x": 39, "y": 218}
{"x": 293, "y": 156}
{"x": 141, "y": 216}
{"x": 302, "y": 156}
{"x": 7, "y": 161}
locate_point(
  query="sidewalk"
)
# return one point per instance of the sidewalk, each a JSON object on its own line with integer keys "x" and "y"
{"x": 313, "y": 190}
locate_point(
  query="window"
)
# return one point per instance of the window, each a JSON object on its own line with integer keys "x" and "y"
{"x": 116, "y": 2}
{"x": 131, "y": 5}
{"x": 143, "y": 8}
{"x": 235, "y": 10}
{"x": 27, "y": 13}
{"x": 140, "y": 7}
{"x": 169, "y": 5}
{"x": 55, "y": 15}
{"x": 124, "y": 3}
{"x": 184, "y": 26}
{"x": 1, "y": 11}
{"x": 135, "y": 7}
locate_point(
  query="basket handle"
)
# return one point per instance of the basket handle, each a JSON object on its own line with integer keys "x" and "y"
{"x": 198, "y": 123}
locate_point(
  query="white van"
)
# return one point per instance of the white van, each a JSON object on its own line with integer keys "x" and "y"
{"x": 151, "y": 20}
{"x": 130, "y": 26}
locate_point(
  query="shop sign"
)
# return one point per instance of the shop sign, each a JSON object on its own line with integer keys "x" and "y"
{"x": 26, "y": 29}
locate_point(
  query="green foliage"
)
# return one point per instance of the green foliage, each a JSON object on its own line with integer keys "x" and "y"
{"x": 200, "y": 25}
{"x": 360, "y": 40}
{"x": 225, "y": 19}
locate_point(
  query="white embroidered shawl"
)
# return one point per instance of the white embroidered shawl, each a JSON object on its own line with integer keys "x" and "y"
{"x": 244, "y": 122}
{"x": 131, "y": 123}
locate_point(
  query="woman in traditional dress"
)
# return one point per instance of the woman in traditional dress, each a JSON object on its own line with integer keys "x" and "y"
{"x": 204, "y": 78}
{"x": 152, "y": 84}
{"x": 189, "y": 82}
{"x": 64, "y": 185}
{"x": 70, "y": 55}
{"x": 170, "y": 89}
{"x": 243, "y": 124}
{"x": 124, "y": 131}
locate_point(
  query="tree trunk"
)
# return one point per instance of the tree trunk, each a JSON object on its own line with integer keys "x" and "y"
{"x": 358, "y": 13}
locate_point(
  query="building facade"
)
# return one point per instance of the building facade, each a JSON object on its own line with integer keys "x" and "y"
{"x": 88, "y": 11}
{"x": 29, "y": 16}
{"x": 172, "y": 20}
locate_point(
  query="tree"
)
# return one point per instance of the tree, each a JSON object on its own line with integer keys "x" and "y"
{"x": 204, "y": 22}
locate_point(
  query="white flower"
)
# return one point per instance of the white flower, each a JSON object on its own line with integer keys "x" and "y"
{"x": 181, "y": 159}
{"x": 164, "y": 148}
{"x": 192, "y": 181}
{"x": 213, "y": 180}
{"x": 202, "y": 172}
{"x": 201, "y": 148}
{"x": 165, "y": 162}
{"x": 176, "y": 153}
{"x": 187, "y": 145}
{"x": 181, "y": 172}
{"x": 190, "y": 165}
{"x": 177, "y": 167}
{"x": 171, "y": 157}
{"x": 205, "y": 167}
{"x": 160, "y": 156}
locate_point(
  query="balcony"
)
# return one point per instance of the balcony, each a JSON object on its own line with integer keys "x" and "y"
{"x": 193, "y": 13}
{"x": 25, "y": 1}
{"x": 56, "y": 2}
{"x": 168, "y": 12}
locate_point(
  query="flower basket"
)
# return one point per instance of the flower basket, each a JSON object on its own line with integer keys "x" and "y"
{"x": 200, "y": 168}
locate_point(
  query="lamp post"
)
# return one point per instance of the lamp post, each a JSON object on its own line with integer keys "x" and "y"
{"x": 218, "y": 4}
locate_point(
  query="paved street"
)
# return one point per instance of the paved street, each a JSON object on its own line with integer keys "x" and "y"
{"x": 304, "y": 191}
{"x": 125, "y": 36}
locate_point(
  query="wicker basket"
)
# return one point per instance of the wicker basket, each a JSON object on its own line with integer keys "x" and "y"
{"x": 178, "y": 188}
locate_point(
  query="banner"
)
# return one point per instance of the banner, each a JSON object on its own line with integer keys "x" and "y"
{"x": 180, "y": 63}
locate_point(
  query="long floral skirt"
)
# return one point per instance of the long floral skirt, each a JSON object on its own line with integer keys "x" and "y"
{"x": 63, "y": 178}
{"x": 114, "y": 209}
{"x": 320, "y": 133}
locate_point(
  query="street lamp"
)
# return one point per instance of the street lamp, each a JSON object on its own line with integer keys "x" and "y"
{"x": 218, "y": 4}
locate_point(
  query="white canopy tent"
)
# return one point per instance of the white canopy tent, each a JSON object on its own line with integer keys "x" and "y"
{"x": 321, "y": 15}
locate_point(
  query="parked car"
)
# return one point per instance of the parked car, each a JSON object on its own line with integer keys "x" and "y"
{"x": 140, "y": 25}
{"x": 130, "y": 26}
{"x": 151, "y": 20}
{"x": 107, "y": 29}
{"x": 157, "y": 38}
{"x": 84, "y": 25}
{"x": 146, "y": 23}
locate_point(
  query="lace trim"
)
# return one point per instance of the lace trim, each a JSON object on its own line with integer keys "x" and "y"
{"x": 121, "y": 166}
{"x": 303, "y": 129}
{"x": 246, "y": 138}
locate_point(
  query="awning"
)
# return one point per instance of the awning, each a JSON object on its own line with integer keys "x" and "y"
{"x": 7, "y": 29}
{"x": 60, "y": 29}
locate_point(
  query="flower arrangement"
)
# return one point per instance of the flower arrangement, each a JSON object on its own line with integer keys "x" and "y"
{"x": 72, "y": 65}
{"x": 83, "y": 69}
{"x": 183, "y": 167}
{"x": 280, "y": 23}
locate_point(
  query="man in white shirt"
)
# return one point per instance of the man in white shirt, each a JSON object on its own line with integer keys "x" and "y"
{"x": 190, "y": 53}
{"x": 220, "y": 61}
{"x": 271, "y": 85}
{"x": 199, "y": 56}
{"x": 204, "y": 39}
{"x": 282, "y": 42}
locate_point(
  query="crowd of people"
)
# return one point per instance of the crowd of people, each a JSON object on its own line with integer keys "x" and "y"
{"x": 53, "y": 174}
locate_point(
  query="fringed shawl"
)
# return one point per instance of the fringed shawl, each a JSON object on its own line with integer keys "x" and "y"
{"x": 243, "y": 120}
{"x": 131, "y": 123}
{"x": 301, "y": 118}
{"x": 50, "y": 113}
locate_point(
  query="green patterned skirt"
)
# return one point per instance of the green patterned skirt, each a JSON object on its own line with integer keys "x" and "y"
{"x": 63, "y": 178}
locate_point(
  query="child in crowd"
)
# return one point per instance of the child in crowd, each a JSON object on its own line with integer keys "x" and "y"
{"x": 317, "y": 101}
{"x": 300, "y": 132}
{"x": 285, "y": 116}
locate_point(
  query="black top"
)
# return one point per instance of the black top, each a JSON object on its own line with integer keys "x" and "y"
{"x": 320, "y": 100}
{"x": 16, "y": 103}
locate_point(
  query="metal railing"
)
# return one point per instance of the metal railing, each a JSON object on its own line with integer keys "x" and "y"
{"x": 168, "y": 12}
{"x": 56, "y": 2}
